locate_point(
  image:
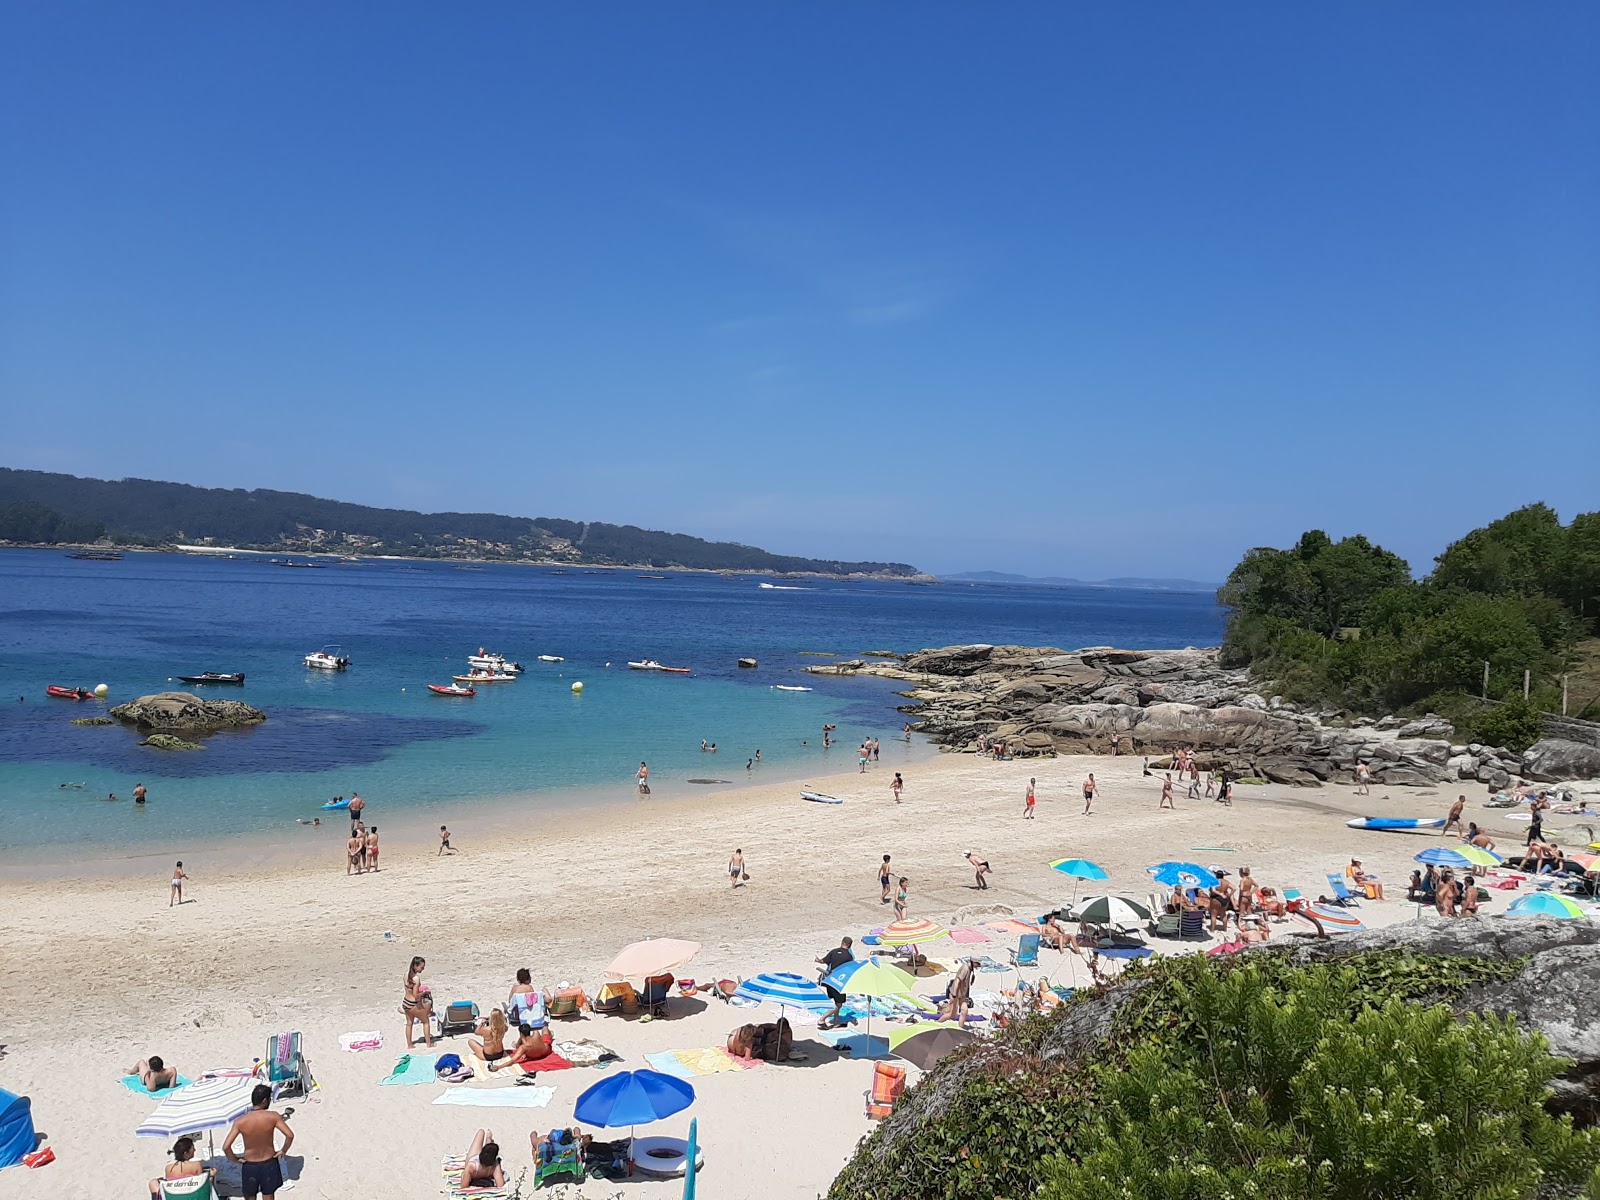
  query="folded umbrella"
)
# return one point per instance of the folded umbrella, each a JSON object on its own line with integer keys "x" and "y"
{"x": 208, "y": 1104}
{"x": 633, "y": 1098}
{"x": 654, "y": 957}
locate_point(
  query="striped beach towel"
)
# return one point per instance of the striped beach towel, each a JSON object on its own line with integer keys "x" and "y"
{"x": 451, "y": 1169}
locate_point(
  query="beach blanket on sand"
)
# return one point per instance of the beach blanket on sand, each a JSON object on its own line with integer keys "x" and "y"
{"x": 412, "y": 1069}
{"x": 1012, "y": 927}
{"x": 688, "y": 1064}
{"x": 550, "y": 1062}
{"x": 587, "y": 1053}
{"x": 368, "y": 1039}
{"x": 136, "y": 1086}
{"x": 966, "y": 935}
{"x": 451, "y": 1169}
{"x": 511, "y": 1097}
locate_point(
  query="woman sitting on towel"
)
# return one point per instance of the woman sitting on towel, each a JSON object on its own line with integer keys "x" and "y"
{"x": 482, "y": 1168}
{"x": 493, "y": 1032}
{"x": 182, "y": 1166}
{"x": 533, "y": 1045}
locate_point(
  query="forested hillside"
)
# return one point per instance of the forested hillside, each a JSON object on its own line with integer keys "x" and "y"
{"x": 36, "y": 506}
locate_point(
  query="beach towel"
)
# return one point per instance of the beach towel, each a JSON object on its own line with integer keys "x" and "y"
{"x": 688, "y": 1064}
{"x": 451, "y": 1168}
{"x": 587, "y": 1053}
{"x": 550, "y": 1062}
{"x": 511, "y": 1097}
{"x": 412, "y": 1069}
{"x": 371, "y": 1039}
{"x": 136, "y": 1086}
{"x": 966, "y": 935}
{"x": 1009, "y": 926}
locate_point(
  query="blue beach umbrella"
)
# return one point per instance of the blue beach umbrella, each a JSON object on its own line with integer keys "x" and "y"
{"x": 633, "y": 1098}
{"x": 781, "y": 987}
{"x": 1464, "y": 858}
{"x": 1186, "y": 873}
{"x": 1545, "y": 904}
{"x": 1079, "y": 868}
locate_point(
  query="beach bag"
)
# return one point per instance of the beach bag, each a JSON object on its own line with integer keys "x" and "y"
{"x": 450, "y": 1069}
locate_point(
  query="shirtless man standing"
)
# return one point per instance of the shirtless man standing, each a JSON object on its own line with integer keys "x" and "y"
{"x": 981, "y": 866}
{"x": 1090, "y": 790}
{"x": 356, "y": 806}
{"x": 1363, "y": 779}
{"x": 643, "y": 776}
{"x": 885, "y": 878}
{"x": 1454, "y": 818}
{"x": 261, "y": 1170}
{"x": 736, "y": 867}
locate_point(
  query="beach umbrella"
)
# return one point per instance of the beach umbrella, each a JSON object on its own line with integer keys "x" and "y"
{"x": 783, "y": 988}
{"x": 633, "y": 1098}
{"x": 1187, "y": 873}
{"x": 208, "y": 1104}
{"x": 924, "y": 1045}
{"x": 1539, "y": 904}
{"x": 1111, "y": 910}
{"x": 689, "y": 1171}
{"x": 1586, "y": 861}
{"x": 1462, "y": 857}
{"x": 655, "y": 957}
{"x": 869, "y": 979}
{"x": 912, "y": 932}
{"x": 1332, "y": 920}
{"x": 1078, "y": 868}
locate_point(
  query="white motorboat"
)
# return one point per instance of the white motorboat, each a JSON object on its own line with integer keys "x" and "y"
{"x": 551, "y": 658}
{"x": 493, "y": 662}
{"x": 486, "y": 677}
{"x": 651, "y": 664}
{"x": 329, "y": 658}
{"x": 788, "y": 687}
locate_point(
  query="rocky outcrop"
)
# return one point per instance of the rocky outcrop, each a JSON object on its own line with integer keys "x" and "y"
{"x": 1555, "y": 758}
{"x": 182, "y": 712}
{"x": 166, "y": 741}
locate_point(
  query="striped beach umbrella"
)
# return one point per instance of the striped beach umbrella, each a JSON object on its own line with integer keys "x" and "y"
{"x": 1463, "y": 858}
{"x": 208, "y": 1104}
{"x": 1111, "y": 910}
{"x": 1328, "y": 919}
{"x": 1543, "y": 904}
{"x": 911, "y": 932}
{"x": 784, "y": 988}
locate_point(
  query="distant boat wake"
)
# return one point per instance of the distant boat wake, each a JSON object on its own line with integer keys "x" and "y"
{"x": 778, "y": 587}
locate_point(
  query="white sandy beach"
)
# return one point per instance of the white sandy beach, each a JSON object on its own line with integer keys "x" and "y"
{"x": 99, "y": 973}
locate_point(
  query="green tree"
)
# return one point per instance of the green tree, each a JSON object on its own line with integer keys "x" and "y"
{"x": 1581, "y": 569}
{"x": 1523, "y": 553}
{"x": 1319, "y": 584}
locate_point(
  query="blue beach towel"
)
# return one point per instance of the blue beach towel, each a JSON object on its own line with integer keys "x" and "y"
{"x": 412, "y": 1069}
{"x": 134, "y": 1085}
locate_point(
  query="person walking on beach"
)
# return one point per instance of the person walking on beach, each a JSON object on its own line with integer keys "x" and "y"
{"x": 1194, "y": 781}
{"x": 643, "y": 776}
{"x": 907, "y": 731}
{"x": 1363, "y": 779}
{"x": 831, "y": 962}
{"x": 444, "y": 842}
{"x": 981, "y": 866}
{"x": 1166, "y": 794}
{"x": 1454, "y": 818}
{"x": 876, "y": 747}
{"x": 1090, "y": 790}
{"x": 138, "y": 793}
{"x": 736, "y": 868}
{"x": 261, "y": 1167}
{"x": 896, "y": 785}
{"x": 885, "y": 878}
{"x": 354, "y": 852}
{"x": 1028, "y": 802}
{"x": 175, "y": 893}
{"x": 372, "y": 849}
{"x": 1211, "y": 785}
{"x": 900, "y": 908}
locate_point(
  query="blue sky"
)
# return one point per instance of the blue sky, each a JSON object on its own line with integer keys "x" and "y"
{"x": 1086, "y": 290}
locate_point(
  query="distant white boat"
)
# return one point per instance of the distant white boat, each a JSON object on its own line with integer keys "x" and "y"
{"x": 493, "y": 662}
{"x": 551, "y": 658}
{"x": 650, "y": 664}
{"x": 779, "y": 587}
{"x": 788, "y": 687}
{"x": 329, "y": 658}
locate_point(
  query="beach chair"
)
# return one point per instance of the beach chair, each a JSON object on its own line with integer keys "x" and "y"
{"x": 1341, "y": 894}
{"x": 1192, "y": 924}
{"x": 656, "y": 990}
{"x": 888, "y": 1082}
{"x": 568, "y": 1002}
{"x": 285, "y": 1067}
{"x": 1027, "y": 952}
{"x": 459, "y": 1016}
{"x": 1165, "y": 924}
{"x": 195, "y": 1187}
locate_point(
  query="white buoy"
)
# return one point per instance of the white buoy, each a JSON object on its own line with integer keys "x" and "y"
{"x": 402, "y": 689}
{"x": 101, "y": 689}
{"x": 577, "y": 686}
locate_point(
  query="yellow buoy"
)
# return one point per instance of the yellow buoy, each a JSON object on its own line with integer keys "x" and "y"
{"x": 577, "y": 685}
{"x": 101, "y": 689}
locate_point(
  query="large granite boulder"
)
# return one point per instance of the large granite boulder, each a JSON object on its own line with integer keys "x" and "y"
{"x": 171, "y": 712}
{"x": 1558, "y": 759}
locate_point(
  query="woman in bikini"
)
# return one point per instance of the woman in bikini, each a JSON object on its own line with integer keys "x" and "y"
{"x": 182, "y": 1166}
{"x": 493, "y": 1032}
{"x": 482, "y": 1168}
{"x": 900, "y": 901}
{"x": 417, "y": 1003}
{"x": 533, "y": 1045}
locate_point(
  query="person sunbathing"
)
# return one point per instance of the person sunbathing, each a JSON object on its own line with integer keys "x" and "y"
{"x": 554, "y": 1144}
{"x": 1478, "y": 837}
{"x": 533, "y": 1045}
{"x": 182, "y": 1166}
{"x": 482, "y": 1168}
{"x": 1370, "y": 884}
{"x": 154, "y": 1073}
{"x": 492, "y": 1031}
{"x": 1052, "y": 933}
{"x": 1270, "y": 903}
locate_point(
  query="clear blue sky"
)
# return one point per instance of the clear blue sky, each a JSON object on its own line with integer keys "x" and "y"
{"x": 1090, "y": 290}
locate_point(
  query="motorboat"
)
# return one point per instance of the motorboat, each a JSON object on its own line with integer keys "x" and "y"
{"x": 232, "y": 678}
{"x": 651, "y": 664}
{"x": 551, "y": 658}
{"x": 68, "y": 693}
{"x": 789, "y": 687}
{"x": 329, "y": 658}
{"x": 485, "y": 677}
{"x": 451, "y": 689}
{"x": 493, "y": 662}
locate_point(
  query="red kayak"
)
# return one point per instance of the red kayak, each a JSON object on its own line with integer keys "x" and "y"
{"x": 66, "y": 693}
{"x": 674, "y": 670}
{"x": 450, "y": 689}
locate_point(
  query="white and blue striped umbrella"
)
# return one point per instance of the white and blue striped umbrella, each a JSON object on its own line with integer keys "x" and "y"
{"x": 779, "y": 987}
{"x": 208, "y": 1104}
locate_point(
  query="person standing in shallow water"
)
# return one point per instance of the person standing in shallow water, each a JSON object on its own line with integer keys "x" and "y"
{"x": 138, "y": 793}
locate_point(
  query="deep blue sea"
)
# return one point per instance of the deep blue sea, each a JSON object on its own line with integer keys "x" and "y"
{"x": 136, "y": 624}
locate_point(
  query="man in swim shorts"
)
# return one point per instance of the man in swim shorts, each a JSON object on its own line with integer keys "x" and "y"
{"x": 261, "y": 1171}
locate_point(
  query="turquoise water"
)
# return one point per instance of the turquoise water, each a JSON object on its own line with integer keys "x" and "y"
{"x": 135, "y": 624}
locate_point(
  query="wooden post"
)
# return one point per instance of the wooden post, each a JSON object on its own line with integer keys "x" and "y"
{"x": 1526, "y": 675}
{"x": 1485, "y": 680}
{"x": 1563, "y": 695}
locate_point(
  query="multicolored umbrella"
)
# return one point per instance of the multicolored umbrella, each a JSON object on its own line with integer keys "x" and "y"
{"x": 1187, "y": 874}
{"x": 1545, "y": 904}
{"x": 924, "y": 1045}
{"x": 208, "y": 1104}
{"x": 633, "y": 1098}
{"x": 784, "y": 988}
{"x": 911, "y": 932}
{"x": 1461, "y": 857}
{"x": 1330, "y": 920}
{"x": 658, "y": 956}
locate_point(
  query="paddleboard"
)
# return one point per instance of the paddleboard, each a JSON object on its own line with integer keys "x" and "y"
{"x": 1396, "y": 822}
{"x": 819, "y": 798}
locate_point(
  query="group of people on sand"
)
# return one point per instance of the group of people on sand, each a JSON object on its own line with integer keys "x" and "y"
{"x": 1247, "y": 904}
{"x": 361, "y": 851}
{"x": 260, "y": 1158}
{"x": 1438, "y": 887}
{"x": 483, "y": 1167}
{"x": 518, "y": 1032}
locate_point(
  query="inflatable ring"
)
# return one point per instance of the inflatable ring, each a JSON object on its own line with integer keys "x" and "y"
{"x": 664, "y": 1155}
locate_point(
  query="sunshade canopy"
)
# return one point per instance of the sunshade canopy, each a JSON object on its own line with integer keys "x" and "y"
{"x": 633, "y": 1098}
{"x": 655, "y": 957}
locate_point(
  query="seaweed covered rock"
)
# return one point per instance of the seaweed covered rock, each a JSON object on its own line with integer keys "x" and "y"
{"x": 166, "y": 741}
{"x": 183, "y": 712}
{"x": 93, "y": 721}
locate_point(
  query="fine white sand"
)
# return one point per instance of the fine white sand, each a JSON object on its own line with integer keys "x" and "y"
{"x": 100, "y": 972}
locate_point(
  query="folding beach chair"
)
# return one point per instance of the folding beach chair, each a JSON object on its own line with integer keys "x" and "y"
{"x": 1341, "y": 894}
{"x": 656, "y": 990}
{"x": 459, "y": 1016}
{"x": 1027, "y": 952}
{"x": 285, "y": 1067}
{"x": 195, "y": 1187}
{"x": 1163, "y": 923}
{"x": 1192, "y": 924}
{"x": 888, "y": 1082}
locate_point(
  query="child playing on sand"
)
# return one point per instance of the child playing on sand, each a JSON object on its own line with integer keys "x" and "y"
{"x": 444, "y": 842}
{"x": 175, "y": 896}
